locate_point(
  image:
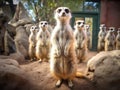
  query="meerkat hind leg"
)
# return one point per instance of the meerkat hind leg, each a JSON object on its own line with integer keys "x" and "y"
{"x": 70, "y": 83}
{"x": 58, "y": 83}
{"x": 40, "y": 60}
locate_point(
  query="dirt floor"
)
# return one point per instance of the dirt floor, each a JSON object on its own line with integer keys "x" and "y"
{"x": 42, "y": 79}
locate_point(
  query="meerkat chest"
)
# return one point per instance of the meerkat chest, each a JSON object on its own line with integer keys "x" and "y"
{"x": 80, "y": 36}
{"x": 88, "y": 33}
{"x": 44, "y": 35}
{"x": 62, "y": 37}
{"x": 102, "y": 34}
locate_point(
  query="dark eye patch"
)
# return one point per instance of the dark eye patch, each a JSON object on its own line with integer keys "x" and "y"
{"x": 46, "y": 23}
{"x": 32, "y": 27}
{"x": 83, "y": 22}
{"x": 79, "y": 23}
{"x": 41, "y": 23}
{"x": 59, "y": 10}
{"x": 67, "y": 10}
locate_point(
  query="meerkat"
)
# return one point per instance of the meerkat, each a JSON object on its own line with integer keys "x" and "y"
{"x": 110, "y": 40}
{"x": 101, "y": 38}
{"x": 118, "y": 40}
{"x": 43, "y": 42}
{"x": 62, "y": 54}
{"x": 88, "y": 33}
{"x": 32, "y": 42}
{"x": 81, "y": 40}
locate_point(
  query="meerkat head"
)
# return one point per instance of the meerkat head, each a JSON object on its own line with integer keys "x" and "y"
{"x": 34, "y": 29}
{"x": 87, "y": 27}
{"x": 43, "y": 25}
{"x": 103, "y": 27}
{"x": 62, "y": 14}
{"x": 111, "y": 30}
{"x": 79, "y": 24}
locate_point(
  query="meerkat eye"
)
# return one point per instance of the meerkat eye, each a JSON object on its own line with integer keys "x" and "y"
{"x": 45, "y": 23}
{"x": 41, "y": 23}
{"x": 79, "y": 23}
{"x": 83, "y": 22}
{"x": 67, "y": 10}
{"x": 59, "y": 10}
{"x": 32, "y": 27}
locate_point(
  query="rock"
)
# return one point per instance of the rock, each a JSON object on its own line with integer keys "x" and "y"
{"x": 104, "y": 69}
{"x": 21, "y": 16}
{"x": 21, "y": 41}
{"x": 12, "y": 77}
{"x": 16, "y": 56}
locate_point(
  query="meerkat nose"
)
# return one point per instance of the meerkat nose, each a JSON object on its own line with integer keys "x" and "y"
{"x": 43, "y": 25}
{"x": 82, "y": 25}
{"x": 63, "y": 14}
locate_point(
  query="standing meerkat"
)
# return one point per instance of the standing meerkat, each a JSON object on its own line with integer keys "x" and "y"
{"x": 101, "y": 38}
{"x": 43, "y": 41}
{"x": 62, "y": 55}
{"x": 110, "y": 40}
{"x": 88, "y": 33}
{"x": 81, "y": 40}
{"x": 118, "y": 40}
{"x": 32, "y": 42}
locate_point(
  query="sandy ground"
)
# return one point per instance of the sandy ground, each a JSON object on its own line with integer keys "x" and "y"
{"x": 42, "y": 79}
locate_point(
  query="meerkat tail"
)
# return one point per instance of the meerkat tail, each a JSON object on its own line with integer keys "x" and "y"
{"x": 80, "y": 75}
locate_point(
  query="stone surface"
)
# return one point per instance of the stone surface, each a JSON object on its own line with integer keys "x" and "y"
{"x": 104, "y": 69}
{"x": 12, "y": 77}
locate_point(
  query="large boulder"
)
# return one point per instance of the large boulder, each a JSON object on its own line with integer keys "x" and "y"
{"x": 21, "y": 16}
{"x": 16, "y": 56}
{"x": 104, "y": 70}
{"x": 12, "y": 77}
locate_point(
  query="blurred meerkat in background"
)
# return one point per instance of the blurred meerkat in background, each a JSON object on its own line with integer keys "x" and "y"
{"x": 81, "y": 40}
{"x": 32, "y": 42}
{"x": 110, "y": 39}
{"x": 43, "y": 42}
{"x": 118, "y": 40}
{"x": 88, "y": 33}
{"x": 101, "y": 38}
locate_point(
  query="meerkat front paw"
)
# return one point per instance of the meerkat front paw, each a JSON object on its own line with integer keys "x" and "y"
{"x": 58, "y": 83}
{"x": 70, "y": 83}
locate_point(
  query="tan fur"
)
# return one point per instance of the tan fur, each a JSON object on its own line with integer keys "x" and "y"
{"x": 32, "y": 42}
{"x": 81, "y": 40}
{"x": 89, "y": 36}
{"x": 21, "y": 41}
{"x": 101, "y": 38}
{"x": 118, "y": 40}
{"x": 62, "y": 55}
{"x": 43, "y": 41}
{"x": 110, "y": 40}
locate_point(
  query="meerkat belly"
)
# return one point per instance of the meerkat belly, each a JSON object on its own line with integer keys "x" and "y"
{"x": 45, "y": 47}
{"x": 62, "y": 41}
{"x": 63, "y": 64}
{"x": 80, "y": 39}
